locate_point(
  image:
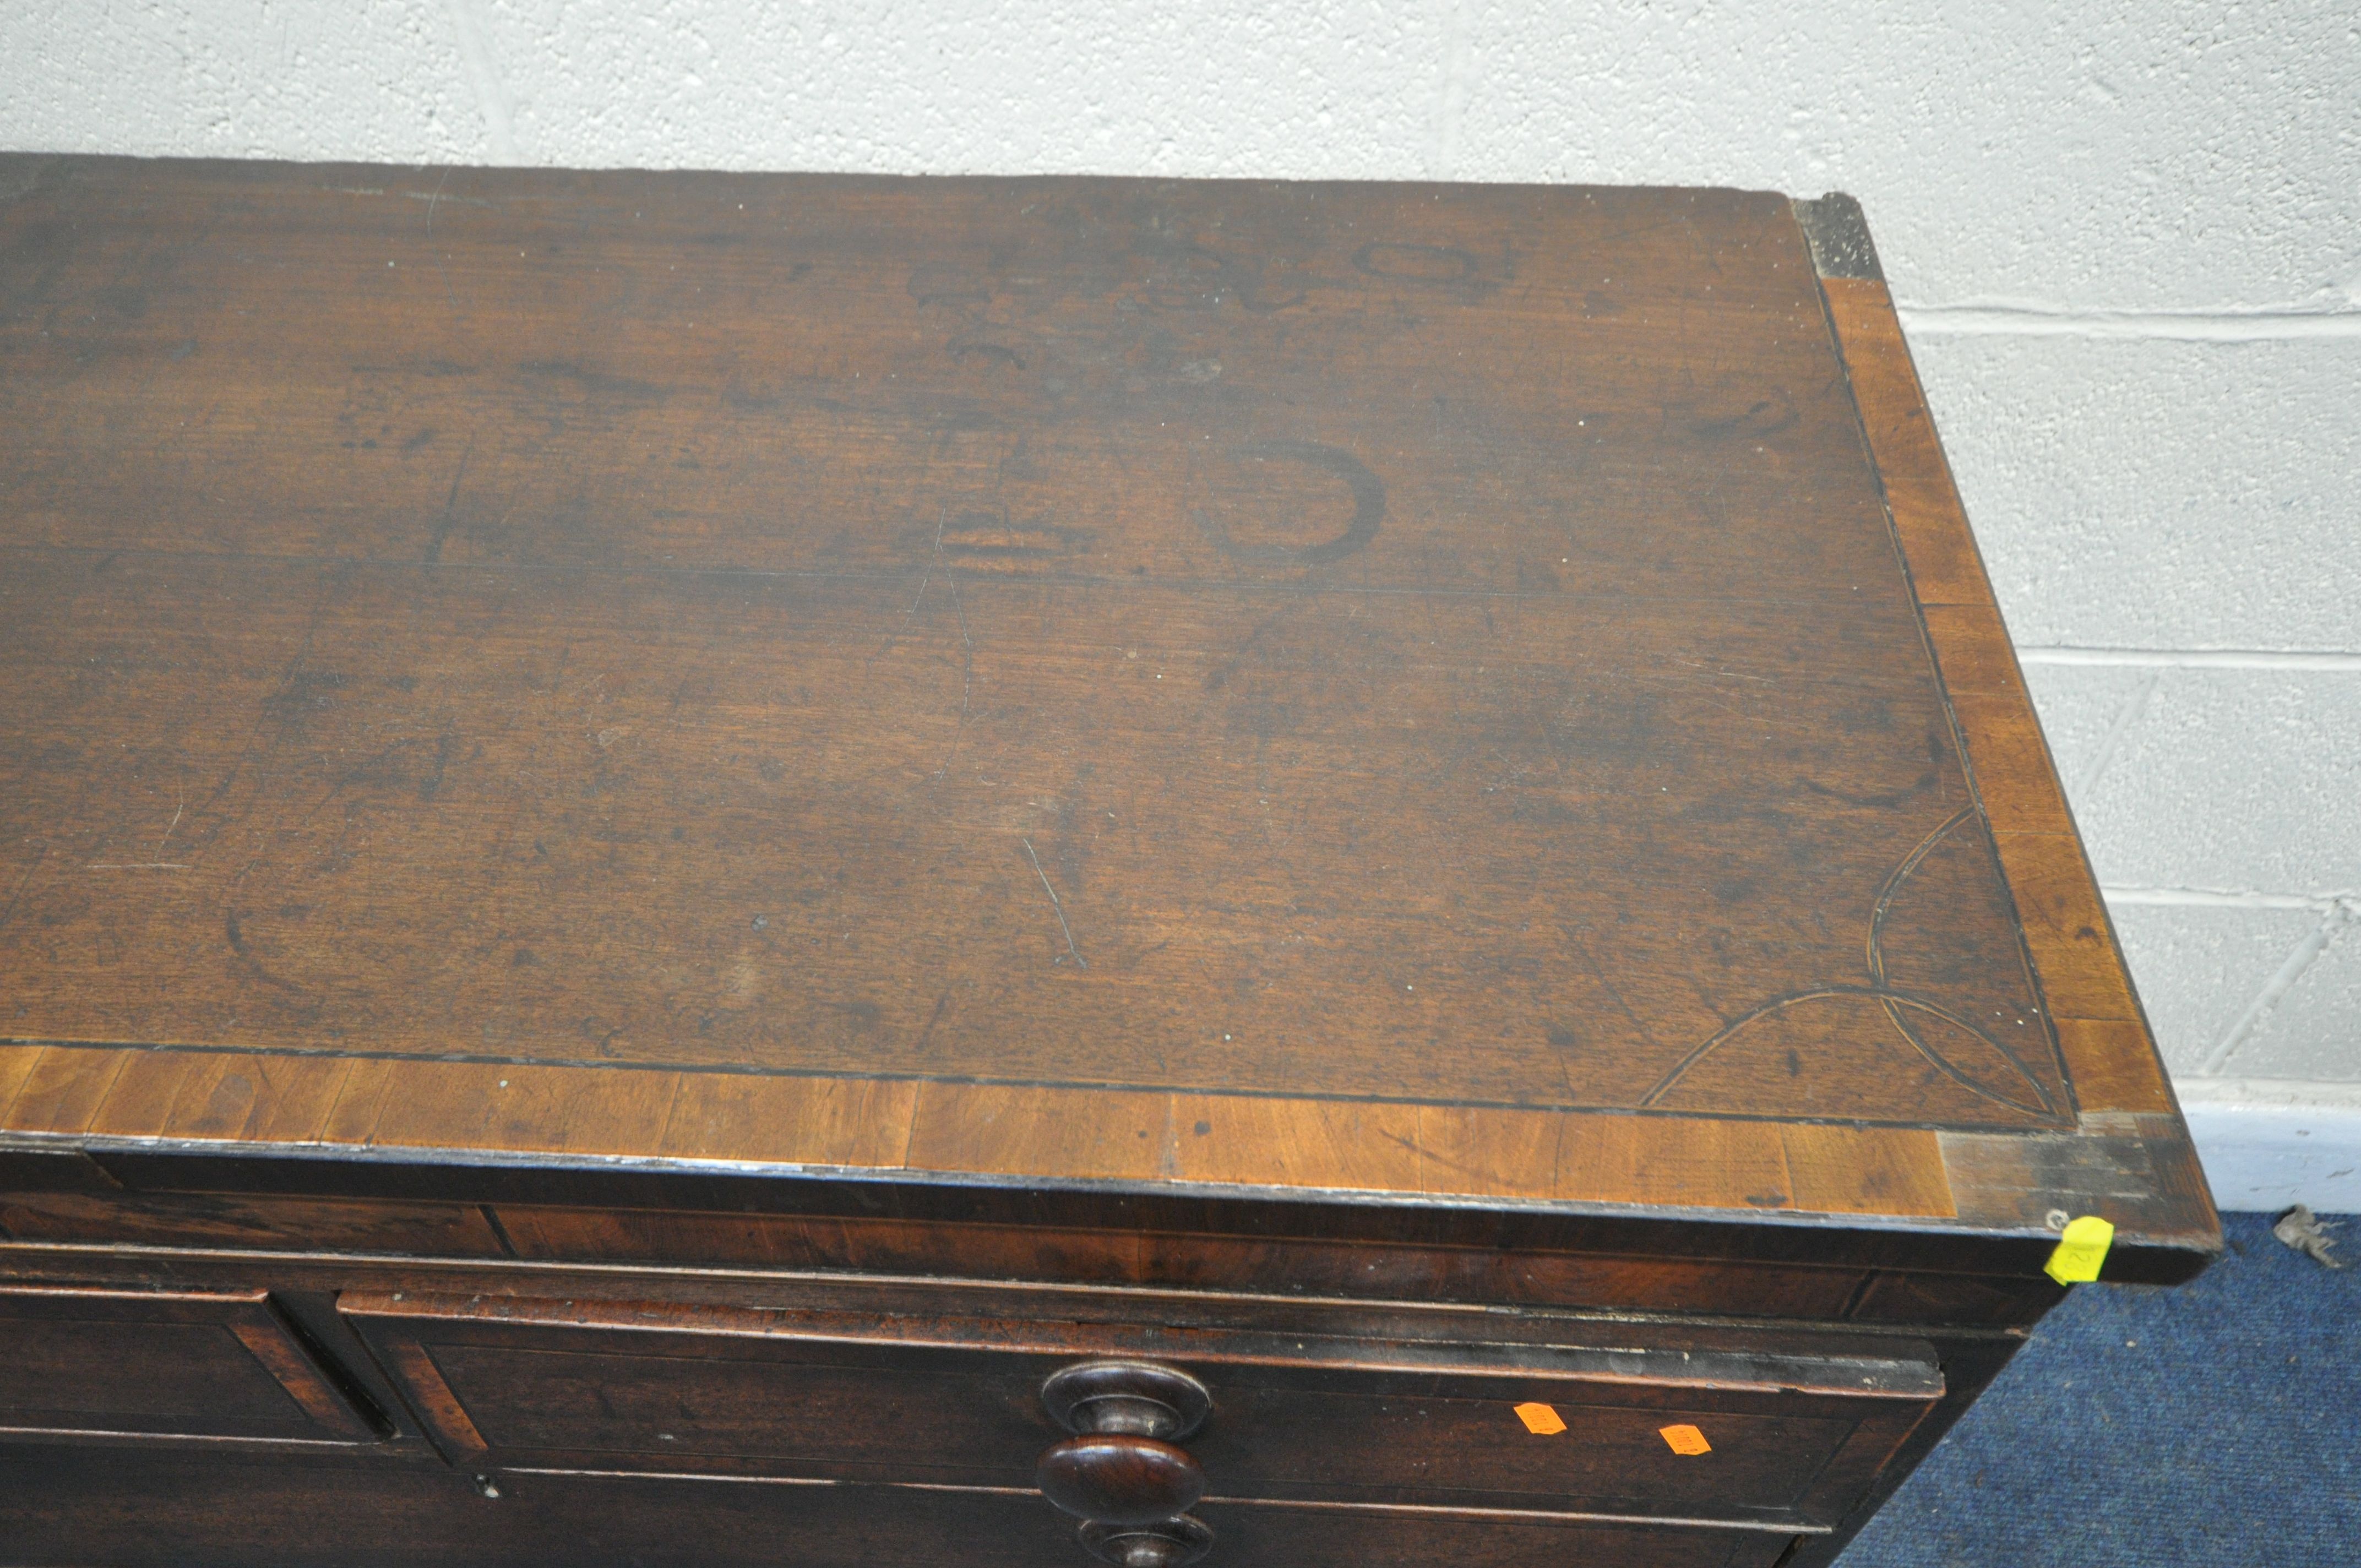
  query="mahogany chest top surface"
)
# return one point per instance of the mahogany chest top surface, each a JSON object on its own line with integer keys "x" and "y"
{"x": 1477, "y": 697}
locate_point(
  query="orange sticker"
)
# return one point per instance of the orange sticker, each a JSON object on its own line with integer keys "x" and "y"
{"x": 1541, "y": 1419}
{"x": 1687, "y": 1441}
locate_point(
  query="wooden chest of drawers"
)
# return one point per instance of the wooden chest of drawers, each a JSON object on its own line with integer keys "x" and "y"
{"x": 713, "y": 869}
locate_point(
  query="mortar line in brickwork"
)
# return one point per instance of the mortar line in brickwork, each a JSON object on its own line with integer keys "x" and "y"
{"x": 2192, "y": 658}
{"x": 2261, "y": 323}
{"x": 1451, "y": 98}
{"x": 472, "y": 30}
{"x": 2301, "y": 957}
{"x": 2228, "y": 898}
{"x": 2127, "y": 715}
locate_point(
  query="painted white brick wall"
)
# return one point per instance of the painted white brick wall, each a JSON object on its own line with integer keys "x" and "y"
{"x": 2127, "y": 236}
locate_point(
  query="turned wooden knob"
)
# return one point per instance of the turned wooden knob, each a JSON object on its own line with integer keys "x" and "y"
{"x": 1117, "y": 1479}
{"x": 1167, "y": 1543}
{"x": 1137, "y": 1398}
{"x": 1121, "y": 1472}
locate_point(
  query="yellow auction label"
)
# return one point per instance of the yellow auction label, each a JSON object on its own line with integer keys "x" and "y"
{"x": 2080, "y": 1251}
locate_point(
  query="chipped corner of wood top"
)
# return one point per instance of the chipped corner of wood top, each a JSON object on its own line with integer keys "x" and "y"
{"x": 1837, "y": 232}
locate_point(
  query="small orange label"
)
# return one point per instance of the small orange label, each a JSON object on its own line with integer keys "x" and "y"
{"x": 1687, "y": 1441}
{"x": 1541, "y": 1419}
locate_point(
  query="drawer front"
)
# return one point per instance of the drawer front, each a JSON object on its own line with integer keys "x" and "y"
{"x": 210, "y": 1366}
{"x": 1790, "y": 1442}
{"x": 1287, "y": 1535}
{"x": 192, "y": 1516}
{"x": 258, "y": 1221}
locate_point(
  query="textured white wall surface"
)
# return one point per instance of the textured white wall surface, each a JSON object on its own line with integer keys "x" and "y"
{"x": 2126, "y": 234}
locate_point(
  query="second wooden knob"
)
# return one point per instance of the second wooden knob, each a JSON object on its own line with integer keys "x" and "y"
{"x": 1119, "y": 1479}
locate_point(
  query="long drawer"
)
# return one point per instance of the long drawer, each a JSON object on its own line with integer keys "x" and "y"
{"x": 69, "y": 1514}
{"x": 1760, "y": 1434}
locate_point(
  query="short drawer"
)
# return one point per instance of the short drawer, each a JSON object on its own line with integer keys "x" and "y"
{"x": 114, "y": 1366}
{"x": 1723, "y": 1431}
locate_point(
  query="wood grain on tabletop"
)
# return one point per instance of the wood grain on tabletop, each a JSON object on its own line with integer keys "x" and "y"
{"x": 1397, "y": 687}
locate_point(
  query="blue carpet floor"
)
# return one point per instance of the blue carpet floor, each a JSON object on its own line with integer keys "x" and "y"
{"x": 2216, "y": 1424}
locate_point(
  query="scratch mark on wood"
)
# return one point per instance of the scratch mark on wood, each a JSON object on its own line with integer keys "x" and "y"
{"x": 450, "y": 505}
{"x": 1733, "y": 674}
{"x": 967, "y": 665}
{"x": 1055, "y": 907}
{"x": 941, "y": 1003}
{"x": 22, "y": 881}
{"x": 430, "y": 197}
{"x": 440, "y": 270}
